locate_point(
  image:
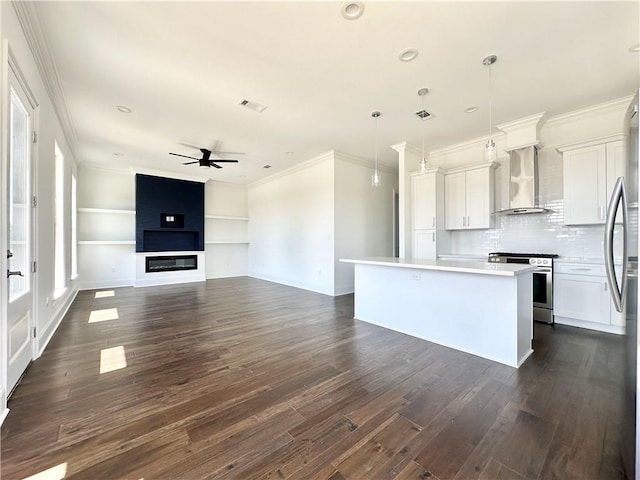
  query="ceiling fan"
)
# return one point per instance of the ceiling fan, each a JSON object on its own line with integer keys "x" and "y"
{"x": 206, "y": 160}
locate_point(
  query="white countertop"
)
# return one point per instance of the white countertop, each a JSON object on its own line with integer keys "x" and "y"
{"x": 483, "y": 268}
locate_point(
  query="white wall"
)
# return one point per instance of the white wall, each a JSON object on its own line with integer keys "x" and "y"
{"x": 291, "y": 227}
{"x": 47, "y": 312}
{"x": 363, "y": 217}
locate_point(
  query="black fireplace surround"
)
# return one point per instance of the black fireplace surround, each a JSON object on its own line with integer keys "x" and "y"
{"x": 169, "y": 214}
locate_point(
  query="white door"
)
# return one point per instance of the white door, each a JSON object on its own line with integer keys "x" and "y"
{"x": 19, "y": 232}
{"x": 424, "y": 244}
{"x": 477, "y": 198}
{"x": 584, "y": 170}
{"x": 454, "y": 205}
{"x": 423, "y": 188}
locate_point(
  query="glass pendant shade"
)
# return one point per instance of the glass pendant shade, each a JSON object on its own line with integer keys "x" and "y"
{"x": 490, "y": 151}
{"x": 375, "y": 179}
{"x": 423, "y": 164}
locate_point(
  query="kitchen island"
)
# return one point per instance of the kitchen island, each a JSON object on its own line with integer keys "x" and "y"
{"x": 479, "y": 308}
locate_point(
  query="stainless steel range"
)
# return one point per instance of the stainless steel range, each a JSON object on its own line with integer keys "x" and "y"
{"x": 542, "y": 280}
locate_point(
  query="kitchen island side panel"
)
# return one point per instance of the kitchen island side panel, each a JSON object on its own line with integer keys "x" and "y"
{"x": 474, "y": 313}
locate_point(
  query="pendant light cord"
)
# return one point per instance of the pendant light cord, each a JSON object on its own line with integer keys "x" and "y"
{"x": 490, "y": 104}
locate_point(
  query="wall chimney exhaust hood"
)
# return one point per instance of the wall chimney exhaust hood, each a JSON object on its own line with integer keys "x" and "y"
{"x": 522, "y": 142}
{"x": 523, "y": 184}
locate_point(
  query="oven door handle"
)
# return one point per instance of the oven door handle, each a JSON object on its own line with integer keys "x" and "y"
{"x": 618, "y": 198}
{"x": 542, "y": 270}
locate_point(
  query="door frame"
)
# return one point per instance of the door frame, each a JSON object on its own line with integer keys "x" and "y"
{"x": 10, "y": 65}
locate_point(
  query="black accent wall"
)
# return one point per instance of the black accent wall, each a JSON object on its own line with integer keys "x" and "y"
{"x": 157, "y": 197}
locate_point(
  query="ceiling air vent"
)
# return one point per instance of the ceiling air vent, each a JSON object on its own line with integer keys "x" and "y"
{"x": 253, "y": 105}
{"x": 423, "y": 115}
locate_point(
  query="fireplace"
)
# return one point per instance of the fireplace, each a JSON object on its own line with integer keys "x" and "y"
{"x": 171, "y": 263}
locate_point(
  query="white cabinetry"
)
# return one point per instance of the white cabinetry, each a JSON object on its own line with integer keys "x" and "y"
{"x": 590, "y": 170}
{"x": 469, "y": 197}
{"x": 427, "y": 206}
{"x": 581, "y": 298}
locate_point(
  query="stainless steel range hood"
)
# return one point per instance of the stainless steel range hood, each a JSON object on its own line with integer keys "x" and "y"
{"x": 523, "y": 184}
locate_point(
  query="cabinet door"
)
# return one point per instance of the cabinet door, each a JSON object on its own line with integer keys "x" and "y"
{"x": 584, "y": 185}
{"x": 478, "y": 199}
{"x": 424, "y": 244}
{"x": 616, "y": 166}
{"x": 455, "y": 201}
{"x": 581, "y": 297}
{"x": 423, "y": 191}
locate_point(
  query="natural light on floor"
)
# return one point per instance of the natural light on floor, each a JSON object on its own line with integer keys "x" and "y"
{"x": 54, "y": 473}
{"x": 103, "y": 315}
{"x": 105, "y": 293}
{"x": 112, "y": 359}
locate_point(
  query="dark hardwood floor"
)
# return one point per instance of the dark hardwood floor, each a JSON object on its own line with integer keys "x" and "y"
{"x": 241, "y": 378}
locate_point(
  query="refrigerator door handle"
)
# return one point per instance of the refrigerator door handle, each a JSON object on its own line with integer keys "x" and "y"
{"x": 618, "y": 198}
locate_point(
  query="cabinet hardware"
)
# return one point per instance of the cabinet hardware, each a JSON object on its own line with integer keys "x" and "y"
{"x": 433, "y": 223}
{"x": 433, "y": 236}
{"x": 9, "y": 254}
{"x": 12, "y": 273}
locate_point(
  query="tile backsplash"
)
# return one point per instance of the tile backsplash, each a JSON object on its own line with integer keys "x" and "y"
{"x": 535, "y": 233}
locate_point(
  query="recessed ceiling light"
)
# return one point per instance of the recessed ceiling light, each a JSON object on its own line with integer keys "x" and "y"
{"x": 123, "y": 109}
{"x": 408, "y": 54}
{"x": 290, "y": 153}
{"x": 266, "y": 166}
{"x": 352, "y": 10}
{"x": 471, "y": 109}
{"x": 635, "y": 48}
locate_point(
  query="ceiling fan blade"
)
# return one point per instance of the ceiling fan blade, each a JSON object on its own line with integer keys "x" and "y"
{"x": 214, "y": 165}
{"x": 221, "y": 160}
{"x": 189, "y": 163}
{"x": 185, "y": 156}
{"x": 218, "y": 152}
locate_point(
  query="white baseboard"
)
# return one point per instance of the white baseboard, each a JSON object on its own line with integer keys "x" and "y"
{"x": 4, "y": 411}
{"x": 52, "y": 325}
{"x": 600, "y": 327}
{"x": 99, "y": 284}
{"x": 289, "y": 284}
{"x": 225, "y": 274}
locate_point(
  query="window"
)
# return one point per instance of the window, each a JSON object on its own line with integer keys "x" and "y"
{"x": 74, "y": 226}
{"x": 60, "y": 282}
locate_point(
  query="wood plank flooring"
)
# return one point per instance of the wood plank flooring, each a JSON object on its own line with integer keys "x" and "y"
{"x": 245, "y": 379}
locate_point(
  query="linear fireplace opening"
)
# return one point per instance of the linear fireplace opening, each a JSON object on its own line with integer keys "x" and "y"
{"x": 171, "y": 263}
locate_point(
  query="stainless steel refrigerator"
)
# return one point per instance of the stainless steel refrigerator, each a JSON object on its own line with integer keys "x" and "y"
{"x": 624, "y": 288}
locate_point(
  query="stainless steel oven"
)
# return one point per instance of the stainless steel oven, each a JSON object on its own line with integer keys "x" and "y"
{"x": 542, "y": 280}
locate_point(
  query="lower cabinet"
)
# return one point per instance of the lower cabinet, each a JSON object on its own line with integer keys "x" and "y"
{"x": 424, "y": 244}
{"x": 581, "y": 298}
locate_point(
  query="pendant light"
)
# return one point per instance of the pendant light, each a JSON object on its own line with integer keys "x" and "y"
{"x": 375, "y": 178}
{"x": 490, "y": 151}
{"x": 423, "y": 160}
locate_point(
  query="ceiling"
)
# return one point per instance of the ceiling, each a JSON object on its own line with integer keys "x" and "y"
{"x": 183, "y": 68}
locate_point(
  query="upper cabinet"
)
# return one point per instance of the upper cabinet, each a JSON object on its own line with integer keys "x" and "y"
{"x": 590, "y": 171}
{"x": 469, "y": 197}
{"x": 427, "y": 198}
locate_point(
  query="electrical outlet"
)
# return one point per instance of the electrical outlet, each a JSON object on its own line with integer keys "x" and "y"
{"x": 113, "y": 269}
{"x": 416, "y": 276}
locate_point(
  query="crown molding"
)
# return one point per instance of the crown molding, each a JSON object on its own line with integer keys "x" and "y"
{"x": 105, "y": 168}
{"x": 408, "y": 148}
{"x": 612, "y": 106}
{"x": 37, "y": 40}
{"x": 363, "y": 162}
{"x": 296, "y": 168}
{"x": 165, "y": 174}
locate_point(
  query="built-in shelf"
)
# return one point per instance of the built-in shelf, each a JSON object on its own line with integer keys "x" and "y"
{"x": 106, "y": 242}
{"x": 106, "y": 210}
{"x": 224, "y": 217}
{"x": 225, "y": 242}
